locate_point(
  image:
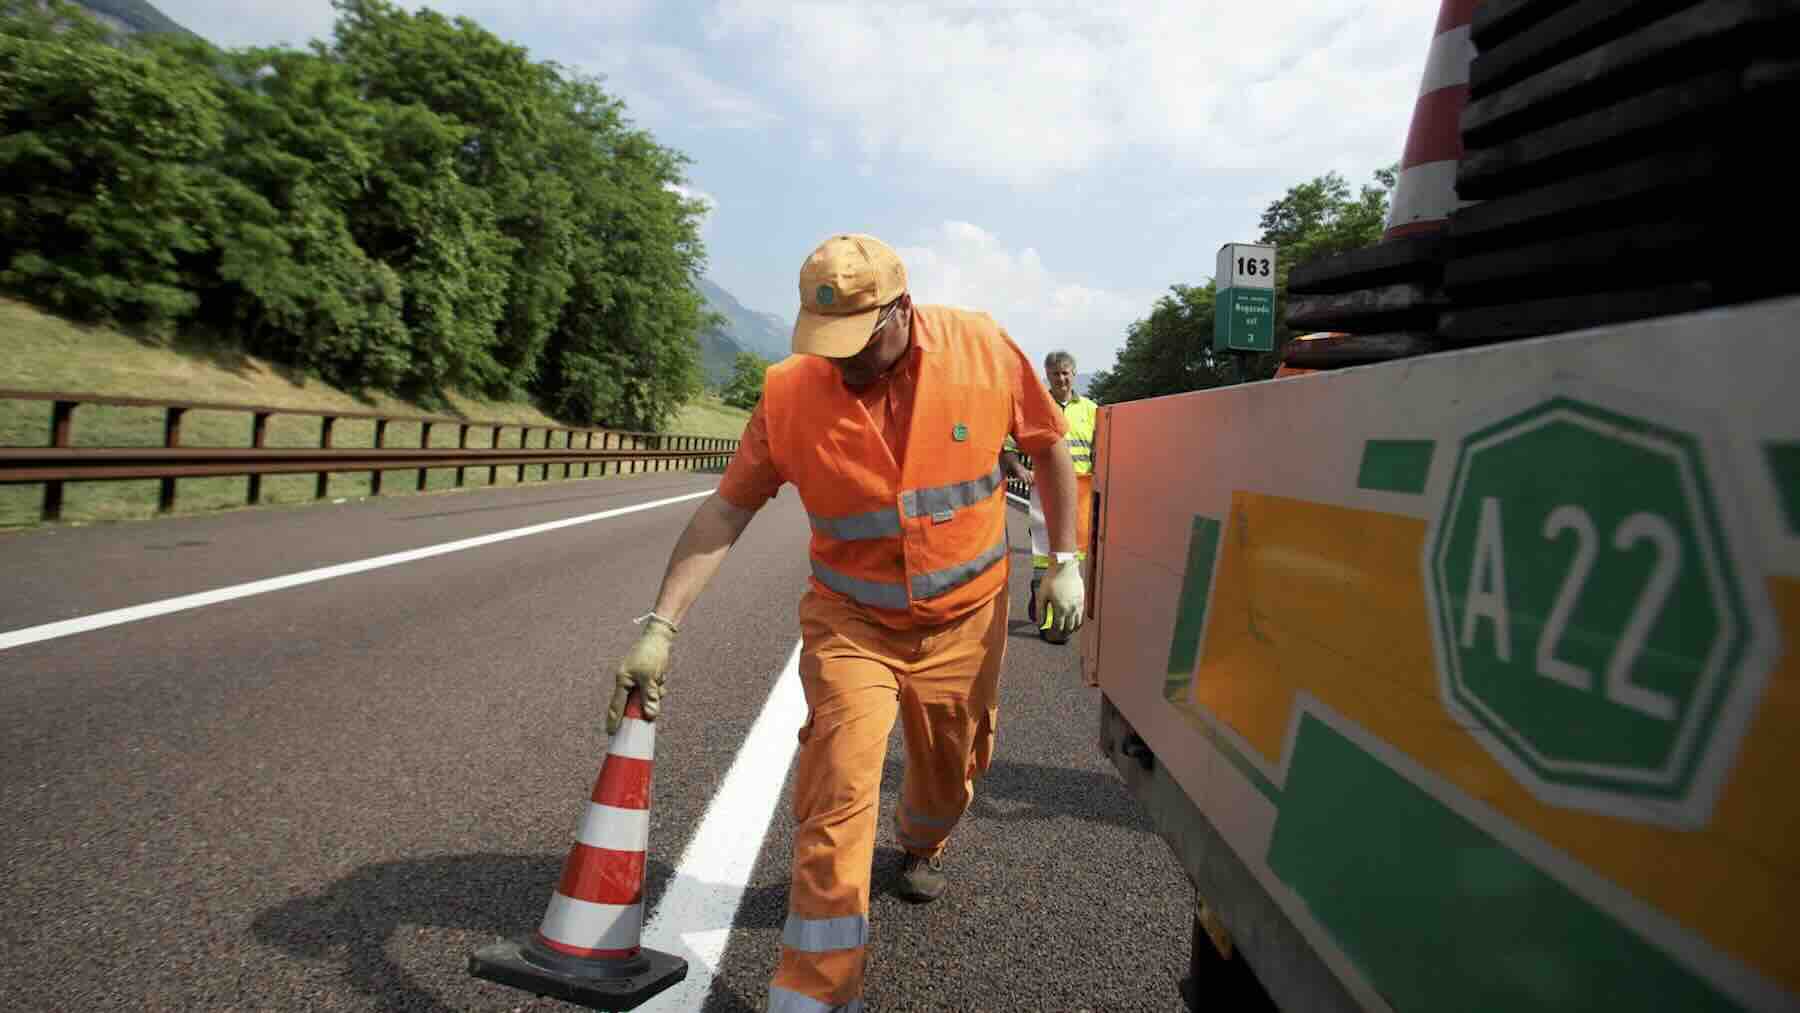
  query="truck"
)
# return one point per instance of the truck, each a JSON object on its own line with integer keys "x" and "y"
{"x": 1465, "y": 677}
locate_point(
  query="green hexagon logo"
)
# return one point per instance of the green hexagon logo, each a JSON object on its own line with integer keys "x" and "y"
{"x": 1593, "y": 629}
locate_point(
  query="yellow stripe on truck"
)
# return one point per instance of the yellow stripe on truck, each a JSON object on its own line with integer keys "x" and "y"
{"x": 1330, "y": 600}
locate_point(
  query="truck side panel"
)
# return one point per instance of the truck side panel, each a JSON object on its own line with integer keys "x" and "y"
{"x": 1481, "y": 662}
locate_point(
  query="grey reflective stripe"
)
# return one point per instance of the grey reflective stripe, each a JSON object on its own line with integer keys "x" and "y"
{"x": 878, "y": 594}
{"x": 822, "y": 935}
{"x": 874, "y": 524}
{"x": 783, "y": 1001}
{"x": 1083, "y": 444}
{"x": 930, "y": 585}
{"x": 954, "y": 496}
{"x": 914, "y": 816}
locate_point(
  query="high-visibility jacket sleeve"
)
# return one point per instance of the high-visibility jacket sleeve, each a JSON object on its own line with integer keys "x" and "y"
{"x": 1037, "y": 421}
{"x": 751, "y": 479}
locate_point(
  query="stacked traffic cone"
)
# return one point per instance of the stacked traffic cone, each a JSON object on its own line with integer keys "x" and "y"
{"x": 1425, "y": 195}
{"x": 1384, "y": 301}
{"x": 587, "y": 950}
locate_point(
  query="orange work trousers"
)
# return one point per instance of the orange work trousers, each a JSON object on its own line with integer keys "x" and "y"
{"x": 942, "y": 682}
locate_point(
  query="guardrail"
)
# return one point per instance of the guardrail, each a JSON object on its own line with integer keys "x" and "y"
{"x": 61, "y": 461}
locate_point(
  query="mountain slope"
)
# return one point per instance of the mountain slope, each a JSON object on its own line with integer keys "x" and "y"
{"x": 765, "y": 334}
{"x": 132, "y": 16}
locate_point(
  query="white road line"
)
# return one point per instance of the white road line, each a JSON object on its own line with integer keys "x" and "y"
{"x": 115, "y": 617}
{"x": 1019, "y": 500}
{"x": 694, "y": 917}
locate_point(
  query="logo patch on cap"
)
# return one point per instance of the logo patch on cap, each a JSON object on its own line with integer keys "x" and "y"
{"x": 826, "y": 295}
{"x": 960, "y": 433}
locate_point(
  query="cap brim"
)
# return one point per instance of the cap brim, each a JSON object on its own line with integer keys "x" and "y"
{"x": 835, "y": 337}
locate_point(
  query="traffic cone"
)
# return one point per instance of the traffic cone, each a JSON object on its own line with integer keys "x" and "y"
{"x": 1425, "y": 195}
{"x": 587, "y": 950}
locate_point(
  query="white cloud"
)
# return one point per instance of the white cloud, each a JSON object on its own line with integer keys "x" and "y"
{"x": 664, "y": 83}
{"x": 694, "y": 194}
{"x": 1025, "y": 92}
{"x": 677, "y": 73}
{"x": 962, "y": 264}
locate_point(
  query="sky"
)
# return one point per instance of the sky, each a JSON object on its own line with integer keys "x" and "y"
{"x": 1057, "y": 163}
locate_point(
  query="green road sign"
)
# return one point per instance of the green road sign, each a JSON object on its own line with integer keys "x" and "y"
{"x": 1586, "y": 609}
{"x": 1244, "y": 320}
{"x": 1244, "y": 311}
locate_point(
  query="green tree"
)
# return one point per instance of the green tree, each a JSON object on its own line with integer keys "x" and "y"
{"x": 106, "y": 191}
{"x": 745, "y": 387}
{"x": 1168, "y": 352}
{"x": 293, "y": 282}
{"x": 502, "y": 106}
{"x": 625, "y": 351}
{"x": 416, "y": 207}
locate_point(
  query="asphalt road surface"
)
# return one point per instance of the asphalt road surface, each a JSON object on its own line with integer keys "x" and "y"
{"x": 323, "y": 793}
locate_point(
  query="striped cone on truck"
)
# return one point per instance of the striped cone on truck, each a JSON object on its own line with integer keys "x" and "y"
{"x": 1383, "y": 301}
{"x": 588, "y": 948}
{"x": 1425, "y": 195}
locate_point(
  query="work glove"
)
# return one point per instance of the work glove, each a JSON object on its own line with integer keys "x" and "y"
{"x": 1061, "y": 600}
{"x": 642, "y": 670}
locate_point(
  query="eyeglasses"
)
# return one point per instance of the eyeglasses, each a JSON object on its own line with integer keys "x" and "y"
{"x": 892, "y": 310}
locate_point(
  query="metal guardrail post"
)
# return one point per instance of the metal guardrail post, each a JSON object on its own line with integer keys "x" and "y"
{"x": 324, "y": 484}
{"x": 462, "y": 443}
{"x": 424, "y": 444}
{"x": 380, "y": 442}
{"x": 493, "y": 472}
{"x": 259, "y": 438}
{"x": 62, "y": 428}
{"x": 524, "y": 438}
{"x": 165, "y": 500}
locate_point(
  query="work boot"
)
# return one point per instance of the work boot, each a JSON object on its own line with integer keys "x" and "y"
{"x": 922, "y": 879}
{"x": 1031, "y": 599}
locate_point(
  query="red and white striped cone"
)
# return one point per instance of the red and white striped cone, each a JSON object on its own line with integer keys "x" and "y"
{"x": 588, "y": 948}
{"x": 1426, "y": 192}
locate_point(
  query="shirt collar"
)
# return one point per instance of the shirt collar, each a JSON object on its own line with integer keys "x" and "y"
{"x": 923, "y": 338}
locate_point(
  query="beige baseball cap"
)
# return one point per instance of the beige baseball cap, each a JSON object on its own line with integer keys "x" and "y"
{"x": 843, "y": 285}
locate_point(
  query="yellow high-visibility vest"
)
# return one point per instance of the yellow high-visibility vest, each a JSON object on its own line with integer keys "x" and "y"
{"x": 1082, "y": 414}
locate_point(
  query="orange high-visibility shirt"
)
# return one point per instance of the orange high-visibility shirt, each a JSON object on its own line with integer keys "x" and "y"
{"x": 897, "y": 533}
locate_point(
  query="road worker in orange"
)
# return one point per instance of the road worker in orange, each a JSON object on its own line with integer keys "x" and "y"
{"x": 1083, "y": 414}
{"x": 889, "y": 420}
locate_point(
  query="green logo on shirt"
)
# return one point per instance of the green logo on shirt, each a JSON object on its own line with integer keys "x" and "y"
{"x": 826, "y": 295}
{"x": 960, "y": 433}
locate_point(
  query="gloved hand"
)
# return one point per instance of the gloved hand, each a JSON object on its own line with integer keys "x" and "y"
{"x": 1065, "y": 596}
{"x": 642, "y": 670}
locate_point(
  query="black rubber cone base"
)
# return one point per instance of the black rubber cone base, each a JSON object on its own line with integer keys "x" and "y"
{"x": 527, "y": 964}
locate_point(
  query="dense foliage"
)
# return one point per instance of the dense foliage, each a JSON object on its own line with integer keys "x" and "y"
{"x": 1170, "y": 351}
{"x": 745, "y": 387}
{"x": 416, "y": 206}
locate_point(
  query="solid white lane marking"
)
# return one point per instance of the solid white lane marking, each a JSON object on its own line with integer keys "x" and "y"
{"x": 1022, "y": 501}
{"x": 694, "y": 917}
{"x": 115, "y": 617}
